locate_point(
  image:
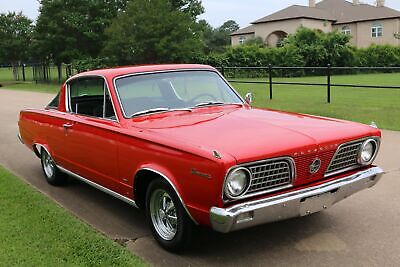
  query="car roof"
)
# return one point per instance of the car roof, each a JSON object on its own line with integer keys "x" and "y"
{"x": 119, "y": 71}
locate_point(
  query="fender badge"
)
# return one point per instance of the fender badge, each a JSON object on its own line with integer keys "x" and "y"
{"x": 204, "y": 175}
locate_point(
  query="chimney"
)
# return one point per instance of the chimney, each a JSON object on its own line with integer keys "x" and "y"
{"x": 311, "y": 3}
{"x": 356, "y": 2}
{"x": 380, "y": 3}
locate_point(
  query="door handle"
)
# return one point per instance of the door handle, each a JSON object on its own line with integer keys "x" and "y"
{"x": 67, "y": 126}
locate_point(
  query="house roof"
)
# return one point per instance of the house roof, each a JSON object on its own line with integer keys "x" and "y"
{"x": 247, "y": 30}
{"x": 297, "y": 11}
{"x": 337, "y": 11}
{"x": 346, "y": 12}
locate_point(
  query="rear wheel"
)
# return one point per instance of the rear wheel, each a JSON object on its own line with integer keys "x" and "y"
{"x": 171, "y": 226}
{"x": 52, "y": 174}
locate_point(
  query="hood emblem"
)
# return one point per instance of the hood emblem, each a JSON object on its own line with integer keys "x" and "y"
{"x": 216, "y": 154}
{"x": 315, "y": 166}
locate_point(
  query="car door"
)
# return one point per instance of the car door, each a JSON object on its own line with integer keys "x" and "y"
{"x": 91, "y": 145}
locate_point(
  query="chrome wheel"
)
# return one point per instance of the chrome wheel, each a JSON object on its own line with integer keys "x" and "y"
{"x": 163, "y": 214}
{"x": 48, "y": 165}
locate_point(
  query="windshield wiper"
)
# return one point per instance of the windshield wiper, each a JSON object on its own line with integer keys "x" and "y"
{"x": 150, "y": 111}
{"x": 206, "y": 104}
{"x": 159, "y": 110}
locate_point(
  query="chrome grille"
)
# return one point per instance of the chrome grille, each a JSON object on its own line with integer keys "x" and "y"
{"x": 345, "y": 157}
{"x": 270, "y": 175}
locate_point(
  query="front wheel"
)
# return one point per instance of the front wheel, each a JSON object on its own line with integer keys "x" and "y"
{"x": 52, "y": 174}
{"x": 171, "y": 226}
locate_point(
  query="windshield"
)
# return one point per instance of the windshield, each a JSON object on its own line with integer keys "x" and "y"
{"x": 183, "y": 90}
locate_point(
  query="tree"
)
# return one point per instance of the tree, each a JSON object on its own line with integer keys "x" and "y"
{"x": 192, "y": 7}
{"x": 15, "y": 37}
{"x": 229, "y": 27}
{"x": 319, "y": 49}
{"x": 255, "y": 41}
{"x": 154, "y": 31}
{"x": 71, "y": 29}
{"x": 215, "y": 40}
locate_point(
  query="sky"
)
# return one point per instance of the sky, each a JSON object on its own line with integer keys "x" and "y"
{"x": 217, "y": 11}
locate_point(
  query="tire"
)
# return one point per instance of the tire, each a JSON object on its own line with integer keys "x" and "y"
{"x": 170, "y": 224}
{"x": 52, "y": 174}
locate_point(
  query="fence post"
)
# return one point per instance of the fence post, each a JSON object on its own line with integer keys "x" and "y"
{"x": 223, "y": 71}
{"x": 270, "y": 81}
{"x": 329, "y": 83}
{"x": 23, "y": 72}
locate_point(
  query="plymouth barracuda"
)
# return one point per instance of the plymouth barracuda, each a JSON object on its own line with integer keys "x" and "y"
{"x": 180, "y": 143}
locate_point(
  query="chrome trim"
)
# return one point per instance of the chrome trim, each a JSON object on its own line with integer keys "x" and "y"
{"x": 292, "y": 204}
{"x": 249, "y": 98}
{"x": 216, "y": 154}
{"x": 167, "y": 71}
{"x": 293, "y": 176}
{"x": 359, "y": 160}
{"x": 173, "y": 187}
{"x": 97, "y": 186}
{"x": 20, "y": 138}
{"x": 328, "y": 174}
{"x": 249, "y": 176}
{"x": 374, "y": 125}
{"x": 67, "y": 95}
{"x": 36, "y": 145}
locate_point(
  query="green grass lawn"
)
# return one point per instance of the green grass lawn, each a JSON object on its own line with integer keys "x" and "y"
{"x": 357, "y": 104}
{"x": 37, "y": 232}
{"x": 6, "y": 74}
{"x": 29, "y": 86}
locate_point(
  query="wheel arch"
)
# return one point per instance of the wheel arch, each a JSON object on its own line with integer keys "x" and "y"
{"x": 37, "y": 147}
{"x": 144, "y": 176}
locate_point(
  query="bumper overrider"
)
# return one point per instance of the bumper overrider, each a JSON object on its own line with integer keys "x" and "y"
{"x": 293, "y": 204}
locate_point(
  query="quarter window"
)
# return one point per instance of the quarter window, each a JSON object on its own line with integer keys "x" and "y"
{"x": 54, "y": 103}
{"x": 346, "y": 30}
{"x": 377, "y": 30}
{"x": 90, "y": 97}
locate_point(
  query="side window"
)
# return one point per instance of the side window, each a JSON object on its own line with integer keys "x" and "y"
{"x": 89, "y": 96}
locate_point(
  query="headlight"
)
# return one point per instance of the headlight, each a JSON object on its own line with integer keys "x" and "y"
{"x": 367, "y": 152}
{"x": 237, "y": 182}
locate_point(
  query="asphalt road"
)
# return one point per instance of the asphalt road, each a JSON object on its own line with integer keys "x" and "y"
{"x": 363, "y": 230}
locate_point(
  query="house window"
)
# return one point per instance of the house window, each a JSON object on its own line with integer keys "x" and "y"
{"x": 242, "y": 40}
{"x": 377, "y": 30}
{"x": 346, "y": 30}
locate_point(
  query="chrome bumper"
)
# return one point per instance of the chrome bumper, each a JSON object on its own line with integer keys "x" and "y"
{"x": 19, "y": 138}
{"x": 293, "y": 204}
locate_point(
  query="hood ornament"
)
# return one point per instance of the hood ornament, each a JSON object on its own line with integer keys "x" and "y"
{"x": 216, "y": 154}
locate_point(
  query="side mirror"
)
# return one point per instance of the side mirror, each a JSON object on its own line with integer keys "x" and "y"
{"x": 248, "y": 98}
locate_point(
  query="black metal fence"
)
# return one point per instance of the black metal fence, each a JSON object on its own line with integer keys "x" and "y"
{"x": 37, "y": 72}
{"x": 270, "y": 72}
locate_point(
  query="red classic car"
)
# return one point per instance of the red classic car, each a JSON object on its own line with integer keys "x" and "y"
{"x": 179, "y": 142}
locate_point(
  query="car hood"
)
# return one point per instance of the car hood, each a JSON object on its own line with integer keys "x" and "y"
{"x": 250, "y": 134}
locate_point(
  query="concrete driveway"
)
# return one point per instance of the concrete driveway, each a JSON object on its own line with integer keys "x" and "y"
{"x": 361, "y": 231}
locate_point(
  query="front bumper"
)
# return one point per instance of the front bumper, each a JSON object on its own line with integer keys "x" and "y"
{"x": 293, "y": 204}
{"x": 19, "y": 138}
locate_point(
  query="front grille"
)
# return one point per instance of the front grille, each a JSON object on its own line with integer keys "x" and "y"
{"x": 270, "y": 175}
{"x": 345, "y": 157}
